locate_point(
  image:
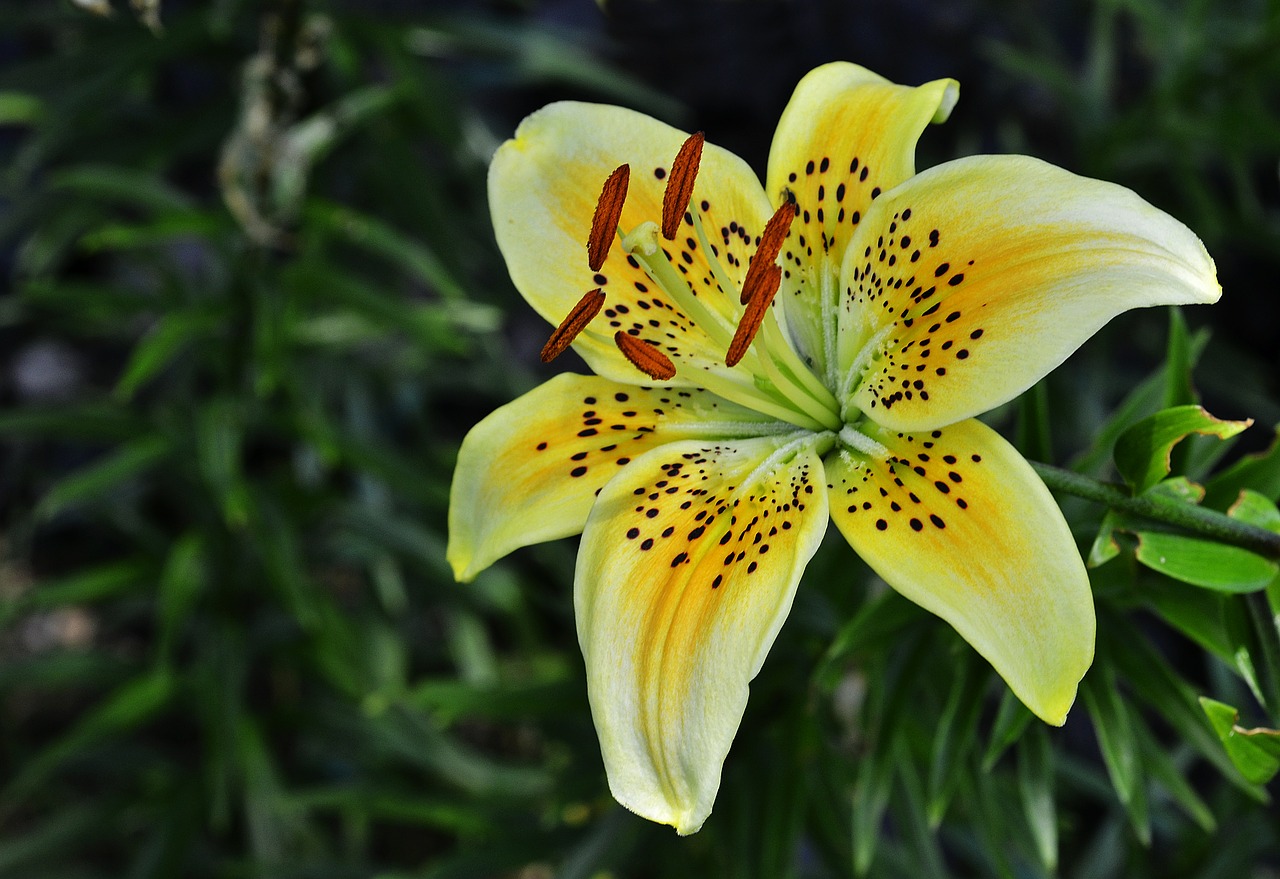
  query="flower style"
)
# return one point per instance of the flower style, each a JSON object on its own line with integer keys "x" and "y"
{"x": 703, "y": 459}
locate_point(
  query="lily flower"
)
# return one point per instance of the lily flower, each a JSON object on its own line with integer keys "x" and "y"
{"x": 771, "y": 358}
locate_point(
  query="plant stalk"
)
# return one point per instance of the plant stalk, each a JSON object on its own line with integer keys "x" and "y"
{"x": 1202, "y": 521}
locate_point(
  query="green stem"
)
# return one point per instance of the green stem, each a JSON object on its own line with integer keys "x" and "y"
{"x": 1209, "y": 523}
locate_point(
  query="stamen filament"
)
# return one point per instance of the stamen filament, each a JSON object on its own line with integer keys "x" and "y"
{"x": 642, "y": 243}
{"x": 796, "y": 370}
{"x": 772, "y": 352}
{"x": 573, "y": 324}
{"x": 795, "y": 394}
{"x": 605, "y": 219}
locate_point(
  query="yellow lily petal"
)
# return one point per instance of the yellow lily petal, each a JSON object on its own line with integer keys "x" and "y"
{"x": 687, "y": 569}
{"x": 974, "y": 279}
{"x": 956, "y": 520}
{"x": 531, "y": 470}
{"x": 846, "y": 136}
{"x": 543, "y": 187}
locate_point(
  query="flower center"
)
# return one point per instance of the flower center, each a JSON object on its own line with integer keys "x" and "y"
{"x": 760, "y": 367}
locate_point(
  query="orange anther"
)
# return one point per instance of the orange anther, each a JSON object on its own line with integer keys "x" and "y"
{"x": 645, "y": 357}
{"x": 684, "y": 171}
{"x": 775, "y": 232}
{"x": 761, "y": 295}
{"x": 576, "y": 321}
{"x": 604, "y": 223}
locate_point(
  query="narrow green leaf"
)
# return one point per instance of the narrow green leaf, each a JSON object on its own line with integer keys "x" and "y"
{"x": 1169, "y": 695}
{"x": 92, "y": 421}
{"x": 89, "y": 585}
{"x": 870, "y": 798}
{"x": 1035, "y": 784}
{"x": 1180, "y": 359}
{"x": 219, "y": 435}
{"x": 1011, "y": 721}
{"x": 180, "y": 583}
{"x": 163, "y": 229}
{"x": 1143, "y": 451}
{"x": 878, "y": 622}
{"x": 1205, "y": 563}
{"x": 956, "y": 731}
{"x": 1173, "y": 778}
{"x": 1034, "y": 436}
{"x": 924, "y": 842}
{"x": 1118, "y": 744}
{"x": 381, "y": 239}
{"x": 1255, "y": 752}
{"x": 158, "y": 349}
{"x": 122, "y": 185}
{"x": 103, "y": 476}
{"x": 125, "y": 709}
{"x": 1256, "y": 509}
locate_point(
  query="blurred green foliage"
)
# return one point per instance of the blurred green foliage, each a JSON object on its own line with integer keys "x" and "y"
{"x": 253, "y": 305}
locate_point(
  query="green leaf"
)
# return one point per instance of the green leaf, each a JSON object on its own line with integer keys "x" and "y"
{"x": 1159, "y": 686}
{"x": 1035, "y": 784}
{"x": 1105, "y": 547}
{"x": 380, "y": 238}
{"x": 1205, "y": 563}
{"x": 123, "y": 185}
{"x": 1196, "y": 612}
{"x": 1143, "y": 451}
{"x": 956, "y": 731}
{"x": 1259, "y": 472}
{"x": 125, "y": 709}
{"x": 870, "y": 798}
{"x": 1255, "y": 752}
{"x": 1256, "y": 509}
{"x": 180, "y": 584}
{"x": 1118, "y": 744}
{"x": 126, "y": 236}
{"x": 876, "y": 624}
{"x": 1180, "y": 359}
{"x": 105, "y": 475}
{"x": 1011, "y": 721}
{"x": 1173, "y": 778}
{"x": 155, "y": 352}
{"x": 20, "y": 108}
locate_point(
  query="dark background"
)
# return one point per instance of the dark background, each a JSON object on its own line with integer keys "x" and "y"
{"x": 249, "y": 308}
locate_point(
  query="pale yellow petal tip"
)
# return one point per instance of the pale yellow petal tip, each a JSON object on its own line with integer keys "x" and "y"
{"x": 1055, "y": 713}
{"x": 461, "y": 563}
{"x": 686, "y": 821}
{"x": 1053, "y": 704}
{"x": 947, "y": 101}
